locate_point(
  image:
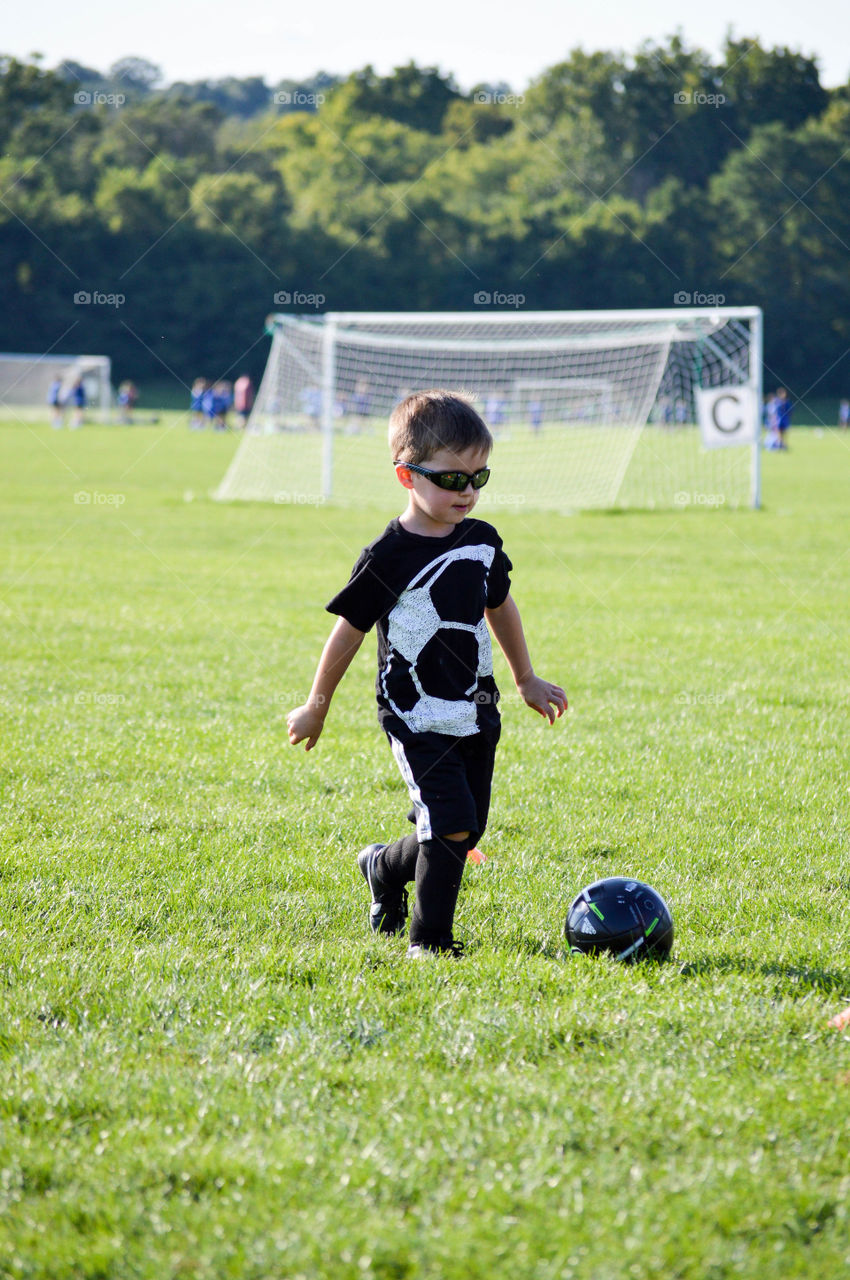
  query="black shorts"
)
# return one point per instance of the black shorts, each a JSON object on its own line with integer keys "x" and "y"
{"x": 449, "y": 780}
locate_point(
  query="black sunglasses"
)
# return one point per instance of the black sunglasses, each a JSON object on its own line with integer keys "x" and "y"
{"x": 454, "y": 480}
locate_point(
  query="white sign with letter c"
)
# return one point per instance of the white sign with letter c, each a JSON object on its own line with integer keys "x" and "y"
{"x": 727, "y": 415}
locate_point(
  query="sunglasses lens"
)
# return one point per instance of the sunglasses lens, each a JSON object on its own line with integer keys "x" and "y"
{"x": 458, "y": 480}
{"x": 454, "y": 480}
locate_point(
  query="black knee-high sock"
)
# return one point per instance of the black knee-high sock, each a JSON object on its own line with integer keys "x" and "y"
{"x": 439, "y": 871}
{"x": 396, "y": 864}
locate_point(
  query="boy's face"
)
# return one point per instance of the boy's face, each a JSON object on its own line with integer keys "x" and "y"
{"x": 435, "y": 511}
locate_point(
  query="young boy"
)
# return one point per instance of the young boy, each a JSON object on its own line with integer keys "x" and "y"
{"x": 431, "y": 583}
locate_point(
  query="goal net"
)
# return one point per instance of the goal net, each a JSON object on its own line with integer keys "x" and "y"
{"x": 588, "y": 409}
{"x": 26, "y": 380}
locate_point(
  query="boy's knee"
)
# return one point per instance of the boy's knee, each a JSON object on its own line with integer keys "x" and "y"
{"x": 457, "y": 835}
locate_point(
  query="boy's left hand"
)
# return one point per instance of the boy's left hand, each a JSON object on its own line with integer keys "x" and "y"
{"x": 544, "y": 697}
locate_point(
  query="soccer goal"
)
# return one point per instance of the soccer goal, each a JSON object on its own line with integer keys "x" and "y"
{"x": 589, "y": 409}
{"x": 25, "y": 380}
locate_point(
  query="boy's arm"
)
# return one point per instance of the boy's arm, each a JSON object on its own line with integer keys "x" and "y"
{"x": 308, "y": 720}
{"x": 542, "y": 695}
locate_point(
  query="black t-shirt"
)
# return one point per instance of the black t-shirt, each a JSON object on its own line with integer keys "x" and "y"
{"x": 427, "y": 597}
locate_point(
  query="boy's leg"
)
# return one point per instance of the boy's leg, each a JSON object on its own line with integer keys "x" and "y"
{"x": 449, "y": 783}
{"x": 396, "y": 863}
{"x": 479, "y": 757}
{"x": 436, "y": 866}
{"x": 388, "y": 909}
{"x": 439, "y": 871}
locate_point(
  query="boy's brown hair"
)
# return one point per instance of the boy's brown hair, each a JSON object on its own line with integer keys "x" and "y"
{"x": 427, "y": 421}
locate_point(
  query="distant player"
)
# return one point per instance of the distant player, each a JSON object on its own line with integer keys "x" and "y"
{"x": 196, "y": 404}
{"x": 243, "y": 398}
{"x": 222, "y": 399}
{"x": 311, "y": 405}
{"x": 54, "y": 400}
{"x": 783, "y": 409}
{"x": 844, "y": 414}
{"x": 77, "y": 401}
{"x": 128, "y": 394}
{"x": 496, "y": 409}
{"x": 361, "y": 402}
{"x": 431, "y": 584}
{"x": 769, "y": 413}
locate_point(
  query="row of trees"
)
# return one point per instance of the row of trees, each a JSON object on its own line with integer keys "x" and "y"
{"x": 186, "y": 214}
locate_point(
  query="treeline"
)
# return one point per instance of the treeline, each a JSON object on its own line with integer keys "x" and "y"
{"x": 161, "y": 225}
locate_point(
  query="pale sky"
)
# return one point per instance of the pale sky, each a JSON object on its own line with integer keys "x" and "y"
{"x": 503, "y": 40}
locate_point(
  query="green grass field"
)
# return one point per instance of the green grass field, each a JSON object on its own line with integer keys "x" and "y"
{"x": 211, "y": 1069}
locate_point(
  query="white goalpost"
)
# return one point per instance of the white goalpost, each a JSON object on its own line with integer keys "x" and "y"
{"x": 589, "y": 409}
{"x": 26, "y": 379}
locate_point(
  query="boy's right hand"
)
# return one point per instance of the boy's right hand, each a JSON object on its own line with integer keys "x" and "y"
{"x": 305, "y": 722}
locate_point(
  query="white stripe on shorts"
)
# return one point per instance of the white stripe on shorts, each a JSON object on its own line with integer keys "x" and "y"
{"x": 423, "y": 815}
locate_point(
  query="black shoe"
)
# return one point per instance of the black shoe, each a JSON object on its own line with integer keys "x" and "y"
{"x": 388, "y": 912}
{"x": 426, "y": 950}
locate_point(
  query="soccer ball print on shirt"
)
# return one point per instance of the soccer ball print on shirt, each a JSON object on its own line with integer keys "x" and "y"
{"x": 432, "y": 679}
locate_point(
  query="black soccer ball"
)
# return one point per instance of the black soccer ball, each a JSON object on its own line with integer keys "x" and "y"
{"x": 623, "y": 917}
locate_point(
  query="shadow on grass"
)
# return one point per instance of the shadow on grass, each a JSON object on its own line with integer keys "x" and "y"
{"x": 792, "y": 976}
